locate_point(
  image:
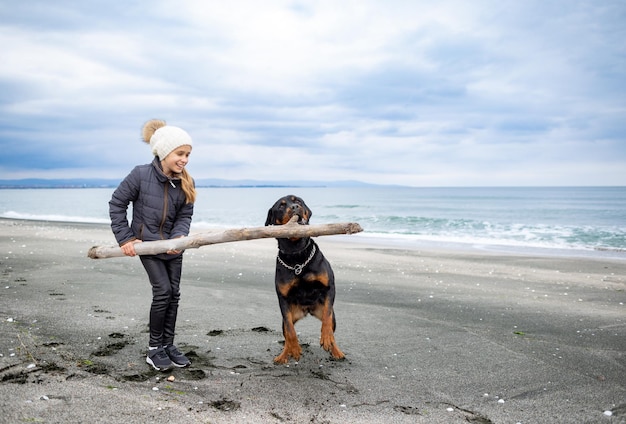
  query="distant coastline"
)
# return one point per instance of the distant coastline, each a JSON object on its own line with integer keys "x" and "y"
{"x": 207, "y": 182}
{"x": 43, "y": 183}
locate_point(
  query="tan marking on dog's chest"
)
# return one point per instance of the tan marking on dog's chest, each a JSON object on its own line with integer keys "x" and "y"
{"x": 322, "y": 277}
{"x": 310, "y": 277}
{"x": 285, "y": 288}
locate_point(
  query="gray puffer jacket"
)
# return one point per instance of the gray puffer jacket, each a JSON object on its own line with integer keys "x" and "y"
{"x": 160, "y": 211}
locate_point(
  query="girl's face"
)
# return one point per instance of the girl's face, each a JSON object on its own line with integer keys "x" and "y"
{"x": 175, "y": 162}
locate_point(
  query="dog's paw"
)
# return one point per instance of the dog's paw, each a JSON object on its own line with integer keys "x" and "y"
{"x": 337, "y": 353}
{"x": 294, "y": 353}
{"x": 281, "y": 359}
{"x": 328, "y": 344}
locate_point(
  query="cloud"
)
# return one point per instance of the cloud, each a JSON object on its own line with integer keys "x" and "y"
{"x": 417, "y": 93}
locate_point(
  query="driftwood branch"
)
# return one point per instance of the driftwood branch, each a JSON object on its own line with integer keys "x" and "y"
{"x": 289, "y": 230}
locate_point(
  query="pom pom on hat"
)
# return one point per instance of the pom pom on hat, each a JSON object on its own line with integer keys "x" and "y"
{"x": 150, "y": 127}
{"x": 163, "y": 138}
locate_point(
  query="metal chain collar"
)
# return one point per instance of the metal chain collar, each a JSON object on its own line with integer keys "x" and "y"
{"x": 297, "y": 269}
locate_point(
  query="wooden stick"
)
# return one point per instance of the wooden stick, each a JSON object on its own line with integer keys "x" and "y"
{"x": 289, "y": 230}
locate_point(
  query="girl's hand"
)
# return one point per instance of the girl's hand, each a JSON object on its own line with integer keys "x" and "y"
{"x": 129, "y": 248}
{"x": 174, "y": 252}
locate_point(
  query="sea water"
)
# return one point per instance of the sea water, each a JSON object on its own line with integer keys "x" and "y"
{"x": 563, "y": 218}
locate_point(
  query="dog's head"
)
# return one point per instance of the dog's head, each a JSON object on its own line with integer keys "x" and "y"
{"x": 285, "y": 208}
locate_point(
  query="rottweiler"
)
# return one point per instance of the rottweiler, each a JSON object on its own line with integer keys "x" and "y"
{"x": 305, "y": 283}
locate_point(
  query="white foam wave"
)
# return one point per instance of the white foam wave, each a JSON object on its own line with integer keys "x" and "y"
{"x": 474, "y": 241}
{"x": 53, "y": 217}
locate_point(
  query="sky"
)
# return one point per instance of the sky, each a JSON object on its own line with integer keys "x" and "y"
{"x": 417, "y": 93}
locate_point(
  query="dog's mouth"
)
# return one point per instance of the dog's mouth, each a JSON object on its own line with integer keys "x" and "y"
{"x": 301, "y": 220}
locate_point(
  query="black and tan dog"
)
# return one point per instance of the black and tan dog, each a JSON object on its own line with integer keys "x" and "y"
{"x": 305, "y": 283}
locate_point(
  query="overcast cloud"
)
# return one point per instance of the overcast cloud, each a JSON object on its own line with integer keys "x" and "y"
{"x": 447, "y": 93}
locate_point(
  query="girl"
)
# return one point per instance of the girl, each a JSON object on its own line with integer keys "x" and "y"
{"x": 163, "y": 195}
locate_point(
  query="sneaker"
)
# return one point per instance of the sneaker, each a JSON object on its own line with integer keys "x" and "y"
{"x": 177, "y": 357}
{"x": 159, "y": 359}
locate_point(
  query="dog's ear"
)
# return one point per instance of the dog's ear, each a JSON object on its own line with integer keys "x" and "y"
{"x": 270, "y": 218}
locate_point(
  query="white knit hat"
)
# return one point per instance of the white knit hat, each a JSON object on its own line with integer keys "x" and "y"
{"x": 164, "y": 138}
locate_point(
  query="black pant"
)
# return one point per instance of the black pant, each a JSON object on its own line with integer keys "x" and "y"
{"x": 164, "y": 276}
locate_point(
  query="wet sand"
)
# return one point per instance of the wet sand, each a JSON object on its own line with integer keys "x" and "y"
{"x": 430, "y": 335}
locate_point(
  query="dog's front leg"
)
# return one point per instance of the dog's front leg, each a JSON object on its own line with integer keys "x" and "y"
{"x": 326, "y": 314}
{"x": 292, "y": 345}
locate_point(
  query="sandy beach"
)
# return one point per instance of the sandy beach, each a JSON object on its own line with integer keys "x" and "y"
{"x": 430, "y": 336}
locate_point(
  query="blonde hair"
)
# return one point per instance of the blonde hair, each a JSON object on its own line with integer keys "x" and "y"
{"x": 188, "y": 186}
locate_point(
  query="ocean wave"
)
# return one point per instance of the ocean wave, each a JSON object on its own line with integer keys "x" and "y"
{"x": 559, "y": 218}
{"x": 54, "y": 218}
{"x": 486, "y": 232}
